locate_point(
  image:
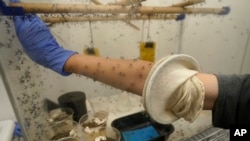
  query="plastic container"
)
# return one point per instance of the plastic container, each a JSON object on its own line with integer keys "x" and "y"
{"x": 140, "y": 126}
{"x": 95, "y": 128}
{"x": 60, "y": 114}
{"x": 75, "y": 100}
{"x": 66, "y": 130}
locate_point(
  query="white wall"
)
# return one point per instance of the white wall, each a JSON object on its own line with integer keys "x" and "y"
{"x": 220, "y": 43}
{"x": 6, "y": 109}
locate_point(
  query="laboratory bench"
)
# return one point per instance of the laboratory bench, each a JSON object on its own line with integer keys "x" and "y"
{"x": 200, "y": 129}
{"x": 119, "y": 106}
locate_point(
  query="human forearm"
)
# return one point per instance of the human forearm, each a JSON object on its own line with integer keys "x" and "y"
{"x": 129, "y": 75}
{"x": 125, "y": 74}
{"x": 40, "y": 45}
{"x": 210, "y": 84}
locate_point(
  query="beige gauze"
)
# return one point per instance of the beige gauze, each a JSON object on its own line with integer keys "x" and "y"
{"x": 187, "y": 101}
{"x": 172, "y": 90}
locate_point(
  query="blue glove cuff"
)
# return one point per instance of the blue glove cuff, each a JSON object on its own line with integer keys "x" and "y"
{"x": 57, "y": 59}
{"x": 39, "y": 44}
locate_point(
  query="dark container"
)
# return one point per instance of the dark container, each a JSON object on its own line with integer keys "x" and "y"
{"x": 75, "y": 100}
{"x": 140, "y": 121}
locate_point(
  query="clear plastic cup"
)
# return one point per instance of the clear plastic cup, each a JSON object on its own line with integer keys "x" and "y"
{"x": 70, "y": 139}
{"x": 99, "y": 104}
{"x": 123, "y": 103}
{"x": 66, "y": 130}
{"x": 95, "y": 127}
{"x": 60, "y": 114}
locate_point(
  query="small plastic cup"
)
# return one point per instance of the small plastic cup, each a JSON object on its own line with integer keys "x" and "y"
{"x": 99, "y": 104}
{"x": 60, "y": 114}
{"x": 113, "y": 133}
{"x": 70, "y": 139}
{"x": 95, "y": 127}
{"x": 123, "y": 103}
{"x": 66, "y": 130}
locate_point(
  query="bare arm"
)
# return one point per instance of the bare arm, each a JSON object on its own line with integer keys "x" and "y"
{"x": 128, "y": 75}
{"x": 211, "y": 89}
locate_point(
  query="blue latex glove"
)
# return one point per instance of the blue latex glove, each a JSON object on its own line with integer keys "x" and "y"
{"x": 39, "y": 44}
{"x": 17, "y": 130}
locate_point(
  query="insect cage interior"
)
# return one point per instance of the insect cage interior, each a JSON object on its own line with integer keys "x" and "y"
{"x": 218, "y": 39}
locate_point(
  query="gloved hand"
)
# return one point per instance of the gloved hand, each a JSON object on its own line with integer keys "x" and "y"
{"x": 39, "y": 44}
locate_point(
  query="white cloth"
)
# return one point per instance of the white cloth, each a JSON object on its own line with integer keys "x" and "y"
{"x": 171, "y": 91}
{"x": 187, "y": 101}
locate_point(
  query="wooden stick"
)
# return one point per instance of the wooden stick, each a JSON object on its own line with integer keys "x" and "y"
{"x": 131, "y": 24}
{"x": 126, "y": 2}
{"x": 188, "y": 3}
{"x": 127, "y": 22}
{"x": 60, "y": 19}
{"x": 114, "y": 9}
{"x": 96, "y": 2}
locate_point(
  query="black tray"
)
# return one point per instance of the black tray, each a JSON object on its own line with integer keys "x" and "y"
{"x": 139, "y": 121}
